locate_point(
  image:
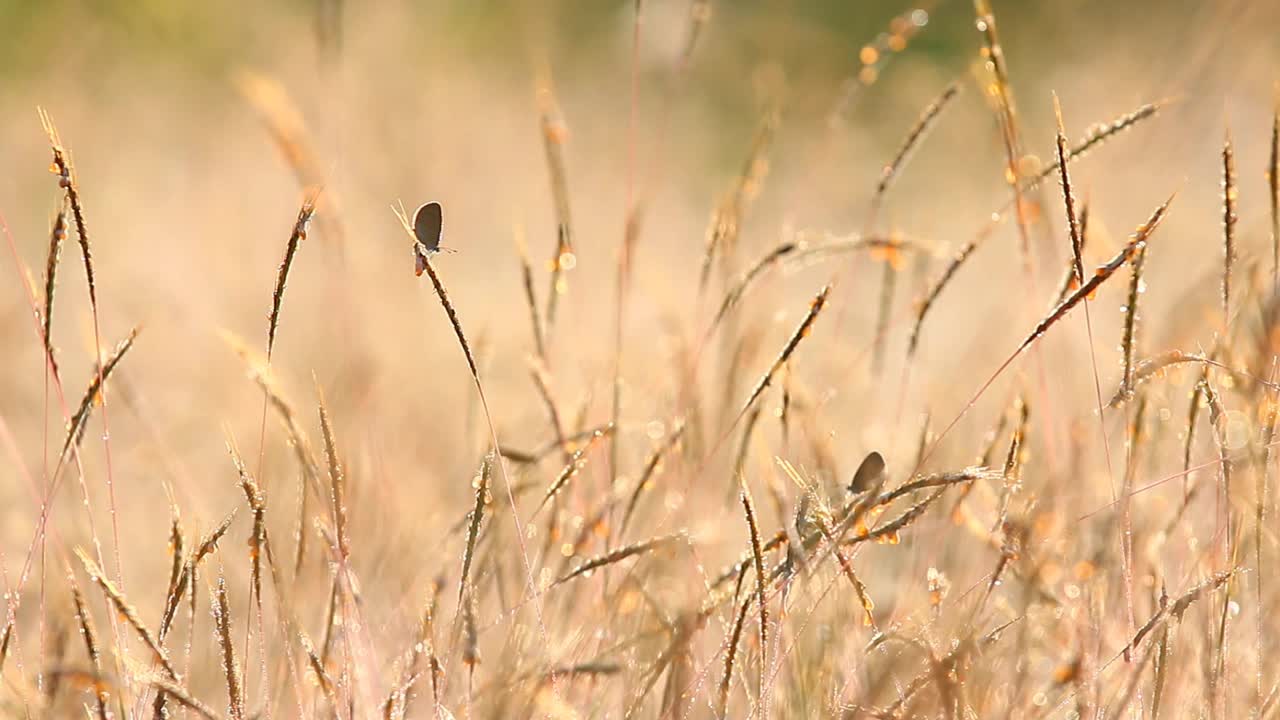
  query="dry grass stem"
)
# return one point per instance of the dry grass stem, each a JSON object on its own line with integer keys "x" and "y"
{"x": 481, "y": 484}
{"x": 650, "y": 468}
{"x": 726, "y": 221}
{"x": 126, "y": 610}
{"x": 57, "y": 235}
{"x": 802, "y": 330}
{"x": 572, "y": 468}
{"x": 757, "y": 559}
{"x": 915, "y": 135}
{"x": 80, "y": 420}
{"x": 184, "y": 698}
{"x": 554, "y": 136}
{"x": 230, "y": 668}
{"x": 282, "y": 276}
{"x": 1230, "y": 194}
{"x": 622, "y": 553}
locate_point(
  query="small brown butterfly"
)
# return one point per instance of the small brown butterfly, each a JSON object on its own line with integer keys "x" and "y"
{"x": 428, "y": 223}
{"x": 869, "y": 473}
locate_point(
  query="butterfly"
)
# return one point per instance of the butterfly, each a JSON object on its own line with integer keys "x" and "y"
{"x": 428, "y": 222}
{"x": 869, "y": 474}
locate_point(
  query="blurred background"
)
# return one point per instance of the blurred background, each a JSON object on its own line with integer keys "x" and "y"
{"x": 181, "y": 116}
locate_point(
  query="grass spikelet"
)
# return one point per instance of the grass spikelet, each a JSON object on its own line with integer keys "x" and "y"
{"x": 646, "y": 475}
{"x": 337, "y": 480}
{"x": 798, "y": 253}
{"x": 80, "y": 421}
{"x": 253, "y": 495}
{"x": 757, "y": 559}
{"x": 944, "y": 278}
{"x": 187, "y": 579}
{"x": 731, "y": 298}
{"x": 1001, "y": 92}
{"x": 934, "y": 480}
{"x": 322, "y": 676}
{"x": 284, "y": 122}
{"x": 1230, "y": 194}
{"x": 1070, "y": 277}
{"x": 554, "y": 135}
{"x": 1162, "y": 659}
{"x": 262, "y": 375}
{"x": 473, "y": 526}
{"x": 726, "y": 220}
{"x": 1097, "y": 135}
{"x": 530, "y": 295}
{"x": 6, "y": 639}
{"x": 887, "y": 174}
{"x": 63, "y": 168}
{"x": 802, "y": 330}
{"x": 744, "y": 445}
{"x": 1273, "y": 186}
{"x": 177, "y": 548}
{"x": 888, "y": 284}
{"x": 426, "y": 645}
{"x": 699, "y": 16}
{"x": 573, "y": 467}
{"x": 184, "y": 698}
{"x": 1218, "y": 421}
{"x": 822, "y": 518}
{"x": 126, "y": 610}
{"x": 915, "y": 135}
{"x": 1013, "y": 463}
{"x": 57, "y": 235}
{"x": 209, "y": 542}
{"x": 889, "y": 531}
{"x": 1137, "y": 241}
{"x": 1179, "y": 606}
{"x": 470, "y": 635}
{"x": 731, "y": 654}
{"x": 543, "y": 383}
{"x": 230, "y": 668}
{"x": 1073, "y": 221}
{"x": 1262, "y": 492}
{"x": 85, "y": 620}
{"x": 1129, "y": 341}
{"x": 296, "y": 237}
{"x": 618, "y": 555}
{"x": 1155, "y": 366}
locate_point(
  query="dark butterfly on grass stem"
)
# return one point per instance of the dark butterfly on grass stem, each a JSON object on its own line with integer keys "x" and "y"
{"x": 428, "y": 222}
{"x": 869, "y": 473}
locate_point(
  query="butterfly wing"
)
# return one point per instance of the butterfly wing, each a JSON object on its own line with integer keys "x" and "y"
{"x": 428, "y": 221}
{"x": 869, "y": 474}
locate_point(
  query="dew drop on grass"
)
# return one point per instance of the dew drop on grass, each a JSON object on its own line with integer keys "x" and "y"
{"x": 655, "y": 430}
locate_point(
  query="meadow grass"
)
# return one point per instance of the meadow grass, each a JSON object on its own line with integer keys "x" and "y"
{"x": 670, "y": 488}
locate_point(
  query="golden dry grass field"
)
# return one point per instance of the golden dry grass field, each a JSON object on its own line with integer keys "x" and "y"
{"x": 795, "y": 359}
